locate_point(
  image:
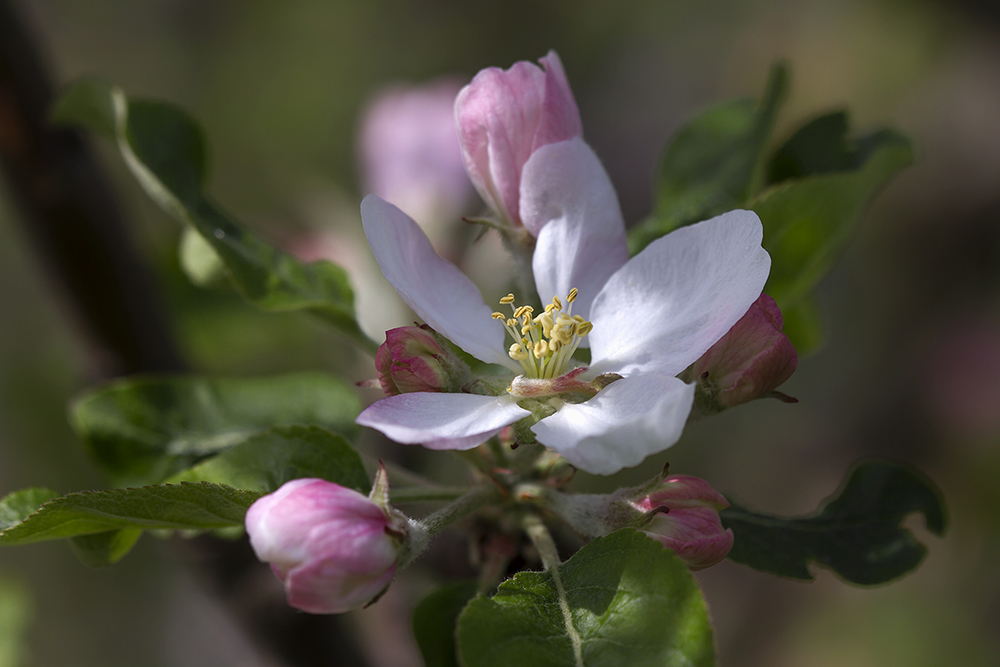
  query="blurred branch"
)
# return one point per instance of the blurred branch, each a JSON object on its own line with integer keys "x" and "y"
{"x": 73, "y": 218}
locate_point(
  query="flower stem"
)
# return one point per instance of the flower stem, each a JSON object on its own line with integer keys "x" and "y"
{"x": 542, "y": 539}
{"x": 478, "y": 496}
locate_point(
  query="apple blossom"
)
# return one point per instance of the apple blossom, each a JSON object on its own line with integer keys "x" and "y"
{"x": 647, "y": 319}
{"x": 333, "y": 548}
{"x": 690, "y": 524}
{"x": 503, "y": 117}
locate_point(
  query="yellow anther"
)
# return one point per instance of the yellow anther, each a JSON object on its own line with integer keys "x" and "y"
{"x": 579, "y": 318}
{"x": 540, "y": 348}
{"x": 525, "y": 329}
{"x": 546, "y": 322}
{"x": 557, "y": 303}
{"x": 584, "y": 328}
{"x": 512, "y": 322}
{"x": 517, "y": 352}
{"x": 499, "y": 316}
{"x": 572, "y": 295}
{"x": 520, "y": 311}
{"x": 554, "y": 345}
{"x": 507, "y": 299}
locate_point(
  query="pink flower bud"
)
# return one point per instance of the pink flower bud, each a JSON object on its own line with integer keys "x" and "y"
{"x": 410, "y": 154}
{"x": 691, "y": 525}
{"x": 412, "y": 359}
{"x": 751, "y": 360}
{"x": 506, "y": 115}
{"x": 333, "y": 548}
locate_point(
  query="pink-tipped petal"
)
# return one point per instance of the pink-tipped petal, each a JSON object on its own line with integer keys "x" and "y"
{"x": 675, "y": 299}
{"x": 441, "y": 421}
{"x": 434, "y": 288}
{"x": 568, "y": 201}
{"x": 626, "y": 422}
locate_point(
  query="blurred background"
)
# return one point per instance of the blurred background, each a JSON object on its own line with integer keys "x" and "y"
{"x": 910, "y": 366}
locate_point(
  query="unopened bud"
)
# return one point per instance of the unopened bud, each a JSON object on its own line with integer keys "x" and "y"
{"x": 333, "y": 548}
{"x": 506, "y": 115}
{"x": 413, "y": 359}
{"x": 690, "y": 526}
{"x": 752, "y": 360}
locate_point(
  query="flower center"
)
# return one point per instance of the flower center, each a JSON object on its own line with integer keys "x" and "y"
{"x": 544, "y": 344}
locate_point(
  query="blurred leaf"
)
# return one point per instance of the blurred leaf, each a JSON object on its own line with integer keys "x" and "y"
{"x": 858, "y": 534}
{"x": 104, "y": 549}
{"x": 19, "y": 505}
{"x": 165, "y": 151}
{"x": 803, "y": 326}
{"x": 268, "y": 459}
{"x": 632, "y": 602}
{"x": 15, "y": 616}
{"x": 434, "y": 621}
{"x": 142, "y": 431}
{"x": 714, "y": 163}
{"x": 808, "y": 221}
{"x": 198, "y": 506}
{"x": 199, "y": 262}
{"x": 818, "y": 147}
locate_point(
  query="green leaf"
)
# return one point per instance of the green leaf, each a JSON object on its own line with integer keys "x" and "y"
{"x": 818, "y": 147}
{"x": 631, "y": 601}
{"x": 143, "y": 430}
{"x": 16, "y": 614}
{"x": 165, "y": 150}
{"x": 199, "y": 506}
{"x": 434, "y": 621}
{"x": 278, "y": 455}
{"x": 19, "y": 505}
{"x": 714, "y": 163}
{"x": 808, "y": 221}
{"x": 803, "y": 326}
{"x": 858, "y": 534}
{"x": 104, "y": 549}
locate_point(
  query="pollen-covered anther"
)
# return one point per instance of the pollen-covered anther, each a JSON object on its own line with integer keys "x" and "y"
{"x": 544, "y": 344}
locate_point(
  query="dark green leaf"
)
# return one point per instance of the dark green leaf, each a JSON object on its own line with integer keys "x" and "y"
{"x": 807, "y": 222}
{"x": 631, "y": 601}
{"x": 858, "y": 534}
{"x": 280, "y": 454}
{"x": 714, "y": 163}
{"x": 165, "y": 150}
{"x": 142, "y": 431}
{"x": 818, "y": 147}
{"x": 19, "y": 505}
{"x": 104, "y": 549}
{"x": 200, "y": 506}
{"x": 803, "y": 326}
{"x": 434, "y": 623}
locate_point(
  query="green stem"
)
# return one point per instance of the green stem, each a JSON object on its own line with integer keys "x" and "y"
{"x": 542, "y": 539}
{"x": 423, "y": 494}
{"x": 477, "y": 497}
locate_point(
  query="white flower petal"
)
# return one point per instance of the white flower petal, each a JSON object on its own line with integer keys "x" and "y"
{"x": 568, "y": 202}
{"x": 435, "y": 289}
{"x": 676, "y": 298}
{"x": 626, "y": 422}
{"x": 441, "y": 420}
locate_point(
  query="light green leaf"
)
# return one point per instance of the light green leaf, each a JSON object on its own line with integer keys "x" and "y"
{"x": 15, "y": 617}
{"x": 104, "y": 549}
{"x": 631, "y": 601}
{"x": 269, "y": 459}
{"x": 803, "y": 326}
{"x": 166, "y": 152}
{"x": 434, "y": 623}
{"x": 714, "y": 163}
{"x": 200, "y": 262}
{"x": 199, "y": 506}
{"x": 19, "y": 505}
{"x": 858, "y": 533}
{"x": 143, "y": 430}
{"x": 808, "y": 221}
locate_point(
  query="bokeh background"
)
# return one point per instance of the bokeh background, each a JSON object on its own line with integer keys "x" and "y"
{"x": 910, "y": 366}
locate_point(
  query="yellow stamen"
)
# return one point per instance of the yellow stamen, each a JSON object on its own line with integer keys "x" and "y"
{"x": 544, "y": 345}
{"x": 507, "y": 299}
{"x": 572, "y": 295}
{"x": 499, "y": 316}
